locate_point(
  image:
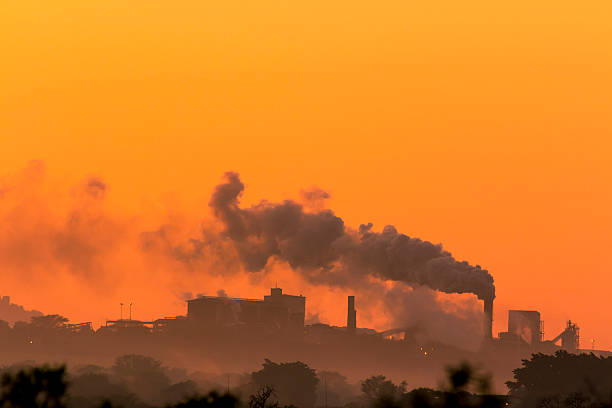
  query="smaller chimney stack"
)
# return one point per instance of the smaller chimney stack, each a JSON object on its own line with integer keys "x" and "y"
{"x": 351, "y": 319}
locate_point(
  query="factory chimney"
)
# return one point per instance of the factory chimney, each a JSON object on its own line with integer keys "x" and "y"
{"x": 488, "y": 312}
{"x": 351, "y": 319}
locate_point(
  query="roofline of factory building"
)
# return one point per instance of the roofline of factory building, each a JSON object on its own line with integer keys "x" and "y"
{"x": 276, "y": 291}
{"x": 226, "y": 298}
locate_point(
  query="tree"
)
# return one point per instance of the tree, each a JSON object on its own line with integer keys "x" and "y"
{"x": 91, "y": 389}
{"x": 549, "y": 379}
{"x": 49, "y": 321}
{"x": 179, "y": 391}
{"x": 382, "y": 393}
{"x": 143, "y": 375}
{"x": 378, "y": 386}
{"x": 464, "y": 378}
{"x": 334, "y": 389}
{"x": 261, "y": 396}
{"x": 39, "y": 387}
{"x": 293, "y": 383}
{"x": 211, "y": 400}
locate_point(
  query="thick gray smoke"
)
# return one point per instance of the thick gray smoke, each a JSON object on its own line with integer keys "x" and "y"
{"x": 431, "y": 319}
{"x": 60, "y": 240}
{"x": 320, "y": 247}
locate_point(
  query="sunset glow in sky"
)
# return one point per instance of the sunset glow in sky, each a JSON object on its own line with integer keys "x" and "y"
{"x": 484, "y": 126}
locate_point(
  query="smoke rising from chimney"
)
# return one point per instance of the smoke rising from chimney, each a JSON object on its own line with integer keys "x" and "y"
{"x": 324, "y": 251}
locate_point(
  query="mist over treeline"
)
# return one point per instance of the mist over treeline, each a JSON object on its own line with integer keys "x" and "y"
{"x": 67, "y": 241}
{"x": 135, "y": 380}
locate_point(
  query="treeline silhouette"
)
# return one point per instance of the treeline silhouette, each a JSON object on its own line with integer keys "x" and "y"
{"x": 48, "y": 330}
{"x": 136, "y": 381}
{"x": 563, "y": 380}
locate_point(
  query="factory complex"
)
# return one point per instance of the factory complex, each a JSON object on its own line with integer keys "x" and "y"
{"x": 279, "y": 312}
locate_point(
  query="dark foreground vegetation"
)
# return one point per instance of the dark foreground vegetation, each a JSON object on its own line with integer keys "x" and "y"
{"x": 135, "y": 381}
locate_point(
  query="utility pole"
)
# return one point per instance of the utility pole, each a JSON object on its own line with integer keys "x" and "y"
{"x": 121, "y": 314}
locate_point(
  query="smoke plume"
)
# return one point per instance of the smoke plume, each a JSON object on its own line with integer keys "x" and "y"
{"x": 325, "y": 251}
{"x": 61, "y": 249}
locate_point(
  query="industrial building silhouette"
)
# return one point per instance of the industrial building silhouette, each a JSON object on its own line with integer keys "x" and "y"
{"x": 275, "y": 310}
{"x": 280, "y": 313}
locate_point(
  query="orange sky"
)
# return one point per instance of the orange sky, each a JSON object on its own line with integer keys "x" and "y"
{"x": 486, "y": 126}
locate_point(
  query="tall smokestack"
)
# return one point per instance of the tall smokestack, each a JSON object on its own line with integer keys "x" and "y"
{"x": 488, "y": 312}
{"x": 351, "y": 319}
